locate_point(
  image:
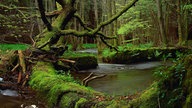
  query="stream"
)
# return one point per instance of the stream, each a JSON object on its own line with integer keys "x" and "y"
{"x": 121, "y": 79}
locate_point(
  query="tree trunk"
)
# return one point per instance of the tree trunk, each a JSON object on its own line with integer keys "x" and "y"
{"x": 179, "y": 22}
{"x": 161, "y": 22}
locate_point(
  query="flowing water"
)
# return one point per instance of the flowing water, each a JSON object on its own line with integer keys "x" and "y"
{"x": 121, "y": 79}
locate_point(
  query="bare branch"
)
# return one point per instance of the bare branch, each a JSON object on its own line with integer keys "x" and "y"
{"x": 54, "y": 13}
{"x": 110, "y": 46}
{"x": 43, "y": 16}
{"x": 83, "y": 24}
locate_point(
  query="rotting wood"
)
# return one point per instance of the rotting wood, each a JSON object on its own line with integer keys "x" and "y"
{"x": 66, "y": 60}
{"x": 26, "y": 79}
{"x": 15, "y": 67}
{"x": 19, "y": 77}
{"x": 22, "y": 61}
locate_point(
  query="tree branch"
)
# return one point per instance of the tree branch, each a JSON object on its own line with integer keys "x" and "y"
{"x": 43, "y": 16}
{"x": 83, "y": 24}
{"x": 110, "y": 46}
{"x": 54, "y": 13}
{"x": 128, "y": 6}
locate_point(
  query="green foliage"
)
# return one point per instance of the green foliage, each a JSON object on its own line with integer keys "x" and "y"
{"x": 131, "y": 46}
{"x": 133, "y": 17}
{"x": 108, "y": 53}
{"x": 72, "y": 54}
{"x": 131, "y": 26}
{"x": 187, "y": 7}
{"x": 89, "y": 46}
{"x": 5, "y": 47}
{"x": 170, "y": 84}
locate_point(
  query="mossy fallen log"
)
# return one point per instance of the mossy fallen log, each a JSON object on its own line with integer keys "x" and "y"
{"x": 61, "y": 90}
{"x": 141, "y": 55}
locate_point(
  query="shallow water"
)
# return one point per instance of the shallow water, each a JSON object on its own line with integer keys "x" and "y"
{"x": 11, "y": 99}
{"x": 121, "y": 79}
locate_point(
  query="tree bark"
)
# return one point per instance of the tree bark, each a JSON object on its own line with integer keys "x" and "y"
{"x": 161, "y": 22}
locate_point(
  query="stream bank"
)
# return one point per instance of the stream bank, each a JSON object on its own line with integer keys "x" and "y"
{"x": 142, "y": 55}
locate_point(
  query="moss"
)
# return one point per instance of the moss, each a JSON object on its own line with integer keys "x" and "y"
{"x": 139, "y": 55}
{"x": 45, "y": 79}
{"x": 148, "y": 99}
{"x": 83, "y": 60}
{"x": 188, "y": 82}
{"x": 80, "y": 103}
{"x": 188, "y": 102}
{"x": 69, "y": 100}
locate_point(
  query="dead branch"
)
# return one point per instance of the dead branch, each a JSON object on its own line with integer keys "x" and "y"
{"x": 86, "y": 78}
{"x": 22, "y": 61}
{"x": 66, "y": 60}
{"x": 19, "y": 77}
{"x": 15, "y": 67}
{"x": 89, "y": 78}
{"x": 26, "y": 79}
{"x": 31, "y": 33}
{"x": 53, "y": 14}
{"x": 93, "y": 78}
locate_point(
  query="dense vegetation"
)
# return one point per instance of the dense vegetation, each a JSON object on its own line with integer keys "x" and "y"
{"x": 39, "y": 39}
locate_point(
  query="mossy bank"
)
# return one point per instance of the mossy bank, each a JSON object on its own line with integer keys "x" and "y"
{"x": 127, "y": 56}
{"x": 61, "y": 90}
{"x": 172, "y": 90}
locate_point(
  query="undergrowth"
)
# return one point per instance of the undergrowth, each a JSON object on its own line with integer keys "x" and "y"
{"x": 5, "y": 47}
{"x": 71, "y": 54}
